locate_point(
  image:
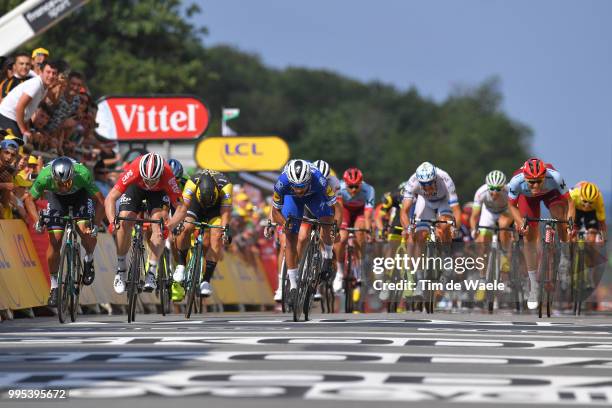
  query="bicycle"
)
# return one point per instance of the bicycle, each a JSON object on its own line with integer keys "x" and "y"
{"x": 579, "y": 272}
{"x": 399, "y": 274}
{"x": 285, "y": 283}
{"x": 69, "y": 276}
{"x": 309, "y": 269}
{"x": 549, "y": 262}
{"x": 164, "y": 282}
{"x": 517, "y": 265}
{"x": 432, "y": 274}
{"x": 349, "y": 282}
{"x": 137, "y": 261}
{"x": 494, "y": 263}
{"x": 194, "y": 268}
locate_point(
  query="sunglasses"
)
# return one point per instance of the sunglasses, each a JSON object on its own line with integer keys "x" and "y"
{"x": 536, "y": 181}
{"x": 589, "y": 203}
{"x": 353, "y": 186}
{"x": 426, "y": 183}
{"x": 498, "y": 189}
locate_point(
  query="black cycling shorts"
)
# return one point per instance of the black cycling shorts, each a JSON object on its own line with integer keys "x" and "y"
{"x": 58, "y": 206}
{"x": 588, "y": 219}
{"x": 202, "y": 214}
{"x": 132, "y": 200}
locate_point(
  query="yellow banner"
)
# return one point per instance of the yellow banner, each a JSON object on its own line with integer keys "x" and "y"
{"x": 250, "y": 153}
{"x": 23, "y": 283}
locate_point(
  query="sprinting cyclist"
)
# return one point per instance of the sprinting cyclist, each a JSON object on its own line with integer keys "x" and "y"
{"x": 589, "y": 212}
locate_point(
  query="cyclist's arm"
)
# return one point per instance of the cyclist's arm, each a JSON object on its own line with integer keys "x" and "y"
{"x": 338, "y": 213}
{"x": 277, "y": 216}
{"x": 378, "y": 219}
{"x": 571, "y": 208}
{"x": 99, "y": 200}
{"x": 516, "y": 213}
{"x": 30, "y": 207}
{"x": 226, "y": 215}
{"x": 457, "y": 214}
{"x": 405, "y": 212}
{"x": 109, "y": 204}
{"x": 368, "y": 218}
{"x": 474, "y": 217}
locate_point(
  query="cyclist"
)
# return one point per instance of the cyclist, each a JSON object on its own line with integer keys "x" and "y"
{"x": 178, "y": 293}
{"x": 434, "y": 191}
{"x": 490, "y": 208}
{"x": 357, "y": 199}
{"x": 68, "y": 184}
{"x": 590, "y": 211}
{"x": 209, "y": 197}
{"x": 301, "y": 184}
{"x": 150, "y": 178}
{"x": 390, "y": 211}
{"x": 533, "y": 183}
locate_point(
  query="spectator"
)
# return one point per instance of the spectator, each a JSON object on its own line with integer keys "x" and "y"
{"x": 21, "y": 73}
{"x": 37, "y": 124}
{"x": 7, "y": 68}
{"x": 22, "y": 184}
{"x": 21, "y": 103}
{"x": 39, "y": 56}
{"x": 101, "y": 178}
{"x": 8, "y": 156}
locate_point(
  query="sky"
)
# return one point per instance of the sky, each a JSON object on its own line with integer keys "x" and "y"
{"x": 554, "y": 58}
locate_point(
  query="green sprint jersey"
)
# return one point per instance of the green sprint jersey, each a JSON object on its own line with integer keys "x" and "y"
{"x": 82, "y": 180}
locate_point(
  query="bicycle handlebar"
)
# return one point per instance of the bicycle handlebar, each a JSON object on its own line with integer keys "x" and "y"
{"x": 206, "y": 225}
{"x": 495, "y": 228}
{"x": 434, "y": 222}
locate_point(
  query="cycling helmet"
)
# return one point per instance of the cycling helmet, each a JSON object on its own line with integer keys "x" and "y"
{"x": 151, "y": 167}
{"x": 353, "y": 176}
{"x": 589, "y": 192}
{"x": 177, "y": 168}
{"x": 207, "y": 190}
{"x": 62, "y": 169}
{"x": 534, "y": 168}
{"x": 298, "y": 172}
{"x": 496, "y": 179}
{"x": 402, "y": 186}
{"x": 323, "y": 167}
{"x": 426, "y": 172}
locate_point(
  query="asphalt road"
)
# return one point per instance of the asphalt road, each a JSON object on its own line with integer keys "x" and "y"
{"x": 266, "y": 360}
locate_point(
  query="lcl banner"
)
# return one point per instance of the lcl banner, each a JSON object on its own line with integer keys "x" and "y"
{"x": 149, "y": 118}
{"x": 247, "y": 153}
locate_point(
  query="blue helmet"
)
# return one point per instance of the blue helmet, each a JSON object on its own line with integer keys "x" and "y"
{"x": 177, "y": 168}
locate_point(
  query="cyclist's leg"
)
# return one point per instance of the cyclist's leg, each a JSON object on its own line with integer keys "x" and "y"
{"x": 214, "y": 241}
{"x": 55, "y": 208}
{"x": 424, "y": 212}
{"x": 487, "y": 219}
{"x": 558, "y": 208}
{"x": 84, "y": 207}
{"x": 304, "y": 232}
{"x": 324, "y": 213}
{"x": 340, "y": 246}
{"x": 359, "y": 245}
{"x": 130, "y": 204}
{"x": 530, "y": 207}
{"x": 292, "y": 207}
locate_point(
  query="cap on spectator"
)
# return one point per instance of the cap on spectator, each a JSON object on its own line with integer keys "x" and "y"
{"x": 40, "y": 51}
{"x": 14, "y": 138}
{"x": 22, "y": 180}
{"x": 241, "y": 197}
{"x": 9, "y": 144}
{"x": 32, "y": 160}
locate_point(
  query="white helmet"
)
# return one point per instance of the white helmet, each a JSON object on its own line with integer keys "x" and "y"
{"x": 298, "y": 172}
{"x": 496, "y": 179}
{"x": 426, "y": 172}
{"x": 323, "y": 167}
{"x": 151, "y": 167}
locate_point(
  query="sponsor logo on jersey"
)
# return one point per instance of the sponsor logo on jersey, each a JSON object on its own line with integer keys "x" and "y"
{"x": 127, "y": 176}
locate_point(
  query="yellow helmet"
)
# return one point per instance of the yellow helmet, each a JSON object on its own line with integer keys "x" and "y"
{"x": 589, "y": 192}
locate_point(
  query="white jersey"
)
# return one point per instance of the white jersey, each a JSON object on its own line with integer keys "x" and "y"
{"x": 445, "y": 189}
{"x": 483, "y": 197}
{"x": 34, "y": 88}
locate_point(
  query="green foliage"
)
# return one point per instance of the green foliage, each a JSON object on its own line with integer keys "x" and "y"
{"x": 148, "y": 46}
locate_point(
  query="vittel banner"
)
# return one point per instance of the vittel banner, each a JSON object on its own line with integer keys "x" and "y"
{"x": 149, "y": 118}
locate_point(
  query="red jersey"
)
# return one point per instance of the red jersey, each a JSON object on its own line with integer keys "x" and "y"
{"x": 167, "y": 182}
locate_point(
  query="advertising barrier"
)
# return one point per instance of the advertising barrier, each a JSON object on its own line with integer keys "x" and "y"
{"x": 23, "y": 283}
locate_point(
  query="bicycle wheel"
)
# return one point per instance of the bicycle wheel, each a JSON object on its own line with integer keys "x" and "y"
{"x": 429, "y": 294}
{"x": 348, "y": 283}
{"x": 285, "y": 303}
{"x": 75, "y": 288}
{"x": 134, "y": 272}
{"x": 303, "y": 282}
{"x": 543, "y": 271}
{"x": 581, "y": 278}
{"x": 312, "y": 283}
{"x": 515, "y": 277}
{"x": 491, "y": 276}
{"x": 63, "y": 284}
{"x": 194, "y": 274}
{"x": 162, "y": 284}
{"x": 551, "y": 287}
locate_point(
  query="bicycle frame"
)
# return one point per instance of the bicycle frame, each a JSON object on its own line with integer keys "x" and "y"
{"x": 494, "y": 262}
{"x": 70, "y": 257}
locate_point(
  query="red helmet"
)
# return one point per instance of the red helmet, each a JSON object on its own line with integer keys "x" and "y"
{"x": 534, "y": 168}
{"x": 353, "y": 176}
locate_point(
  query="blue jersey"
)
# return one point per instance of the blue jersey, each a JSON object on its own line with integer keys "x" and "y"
{"x": 317, "y": 188}
{"x": 552, "y": 181}
{"x": 363, "y": 199}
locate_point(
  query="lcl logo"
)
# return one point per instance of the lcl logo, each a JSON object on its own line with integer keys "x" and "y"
{"x": 242, "y": 149}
